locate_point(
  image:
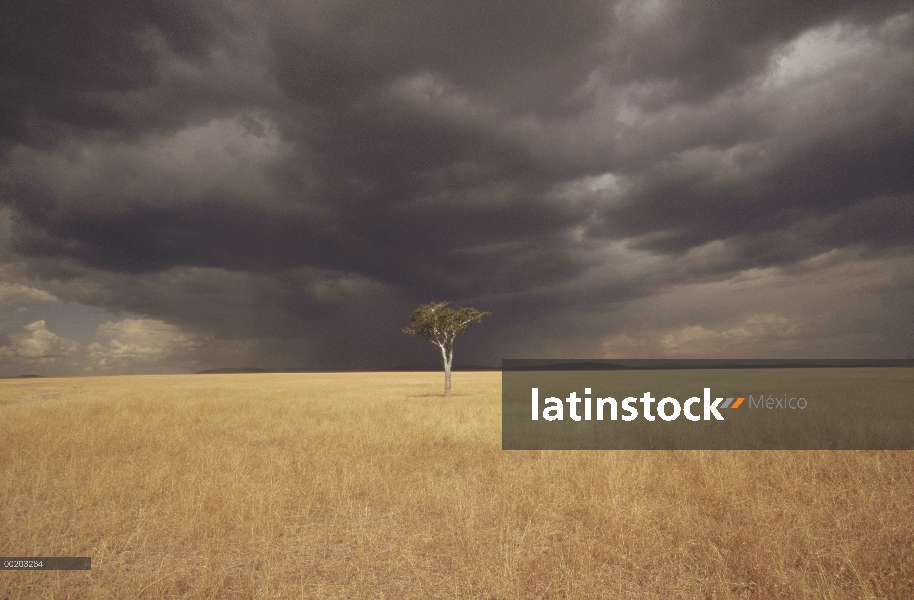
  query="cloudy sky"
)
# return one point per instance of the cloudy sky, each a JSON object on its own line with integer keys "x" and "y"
{"x": 190, "y": 184}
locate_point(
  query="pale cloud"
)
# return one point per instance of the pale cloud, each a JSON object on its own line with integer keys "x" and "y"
{"x": 126, "y": 346}
{"x": 139, "y": 342}
{"x": 39, "y": 345}
{"x": 688, "y": 341}
{"x": 831, "y": 306}
{"x": 432, "y": 94}
{"x": 823, "y": 51}
{"x": 16, "y": 293}
{"x": 758, "y": 335}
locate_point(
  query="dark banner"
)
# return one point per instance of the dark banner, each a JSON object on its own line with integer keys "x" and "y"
{"x": 46, "y": 563}
{"x": 707, "y": 405}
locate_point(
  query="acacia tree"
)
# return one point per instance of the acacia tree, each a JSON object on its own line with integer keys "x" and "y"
{"x": 439, "y": 325}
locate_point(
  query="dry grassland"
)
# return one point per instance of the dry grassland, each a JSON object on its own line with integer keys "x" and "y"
{"x": 374, "y": 486}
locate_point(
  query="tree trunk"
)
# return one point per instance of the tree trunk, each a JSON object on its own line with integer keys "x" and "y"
{"x": 447, "y": 370}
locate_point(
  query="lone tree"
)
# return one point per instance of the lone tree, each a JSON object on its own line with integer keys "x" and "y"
{"x": 440, "y": 325}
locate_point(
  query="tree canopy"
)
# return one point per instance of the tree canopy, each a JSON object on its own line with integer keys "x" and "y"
{"x": 440, "y": 325}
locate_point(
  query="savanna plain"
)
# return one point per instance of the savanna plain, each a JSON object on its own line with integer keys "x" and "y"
{"x": 372, "y": 485}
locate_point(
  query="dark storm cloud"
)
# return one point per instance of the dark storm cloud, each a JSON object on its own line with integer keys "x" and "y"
{"x": 59, "y": 56}
{"x": 831, "y": 180}
{"x": 307, "y": 171}
{"x": 526, "y": 55}
{"x": 707, "y": 46}
{"x": 399, "y": 251}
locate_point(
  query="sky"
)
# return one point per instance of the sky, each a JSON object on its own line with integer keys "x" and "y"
{"x": 196, "y": 184}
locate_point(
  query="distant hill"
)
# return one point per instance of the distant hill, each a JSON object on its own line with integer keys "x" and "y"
{"x": 399, "y": 368}
{"x": 231, "y": 370}
{"x": 440, "y": 368}
{"x": 647, "y": 364}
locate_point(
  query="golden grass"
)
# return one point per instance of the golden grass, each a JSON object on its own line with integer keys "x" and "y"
{"x": 374, "y": 486}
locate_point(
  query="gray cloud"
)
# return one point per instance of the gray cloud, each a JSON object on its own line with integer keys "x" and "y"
{"x": 38, "y": 346}
{"x": 286, "y": 181}
{"x": 705, "y": 48}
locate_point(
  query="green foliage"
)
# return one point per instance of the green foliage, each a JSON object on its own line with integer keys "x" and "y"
{"x": 440, "y": 325}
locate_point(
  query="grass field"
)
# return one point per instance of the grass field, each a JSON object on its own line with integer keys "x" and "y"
{"x": 374, "y": 486}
